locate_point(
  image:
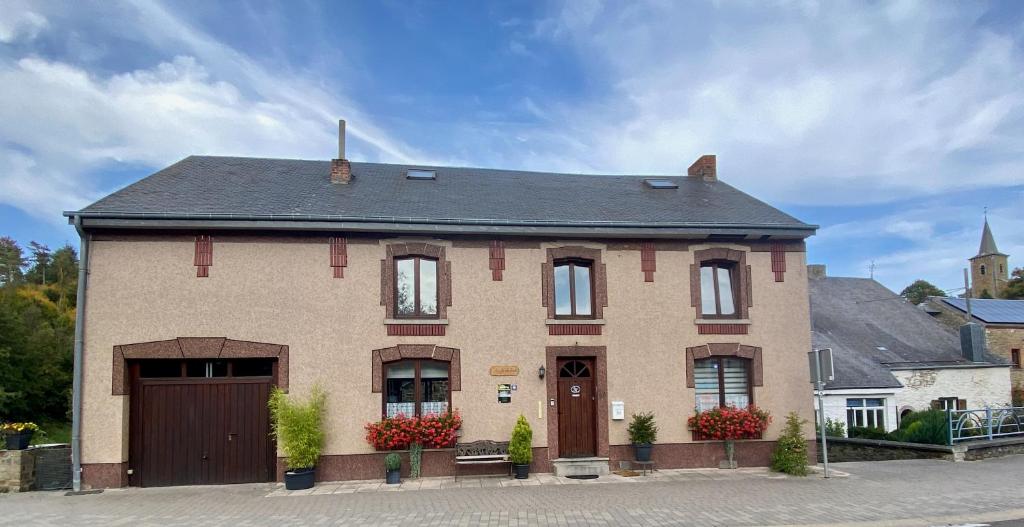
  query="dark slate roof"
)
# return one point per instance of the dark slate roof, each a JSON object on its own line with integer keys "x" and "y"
{"x": 235, "y": 188}
{"x": 991, "y": 311}
{"x": 988, "y": 242}
{"x": 872, "y": 330}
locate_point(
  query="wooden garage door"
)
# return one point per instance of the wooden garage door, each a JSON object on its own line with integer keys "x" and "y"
{"x": 201, "y": 431}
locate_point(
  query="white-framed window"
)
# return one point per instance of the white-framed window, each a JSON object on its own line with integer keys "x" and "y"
{"x": 865, "y": 412}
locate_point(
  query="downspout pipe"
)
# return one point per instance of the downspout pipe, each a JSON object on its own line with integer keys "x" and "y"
{"x": 76, "y": 382}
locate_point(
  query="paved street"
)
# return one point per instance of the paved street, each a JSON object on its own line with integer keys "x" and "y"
{"x": 920, "y": 492}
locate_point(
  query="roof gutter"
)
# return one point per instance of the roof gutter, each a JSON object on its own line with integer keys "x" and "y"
{"x": 76, "y": 379}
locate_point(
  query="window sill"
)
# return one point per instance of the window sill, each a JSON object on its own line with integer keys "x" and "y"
{"x": 416, "y": 321}
{"x": 569, "y": 321}
{"x": 741, "y": 321}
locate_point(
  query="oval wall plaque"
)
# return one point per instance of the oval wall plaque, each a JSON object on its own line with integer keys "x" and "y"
{"x": 504, "y": 371}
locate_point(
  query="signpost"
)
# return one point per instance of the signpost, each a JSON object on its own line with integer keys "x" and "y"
{"x": 820, "y": 362}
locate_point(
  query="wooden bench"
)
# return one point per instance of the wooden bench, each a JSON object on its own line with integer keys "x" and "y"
{"x": 481, "y": 452}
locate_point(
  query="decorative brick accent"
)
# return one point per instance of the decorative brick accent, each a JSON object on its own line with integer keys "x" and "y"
{"x": 600, "y": 356}
{"x": 779, "y": 261}
{"x": 722, "y": 329}
{"x": 195, "y": 348}
{"x": 416, "y": 330}
{"x": 415, "y": 351}
{"x": 497, "y": 259}
{"x": 600, "y": 277}
{"x": 744, "y": 298}
{"x": 717, "y": 349}
{"x": 341, "y": 171}
{"x": 339, "y": 255}
{"x": 648, "y": 262}
{"x": 203, "y": 255}
{"x": 387, "y": 275}
{"x": 574, "y": 329}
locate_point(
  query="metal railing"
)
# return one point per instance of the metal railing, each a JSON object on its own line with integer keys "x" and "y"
{"x": 984, "y": 424}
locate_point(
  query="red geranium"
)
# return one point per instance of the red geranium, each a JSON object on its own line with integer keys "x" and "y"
{"x": 398, "y": 432}
{"x": 730, "y": 423}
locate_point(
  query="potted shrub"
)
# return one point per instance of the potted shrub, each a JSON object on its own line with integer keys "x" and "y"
{"x": 18, "y": 435}
{"x": 520, "y": 451}
{"x": 298, "y": 428}
{"x": 729, "y": 424}
{"x": 642, "y": 433}
{"x": 393, "y": 468}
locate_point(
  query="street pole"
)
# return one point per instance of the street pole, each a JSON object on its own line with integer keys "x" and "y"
{"x": 821, "y": 410}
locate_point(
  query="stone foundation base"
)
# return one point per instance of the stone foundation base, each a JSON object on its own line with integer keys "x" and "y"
{"x": 17, "y": 470}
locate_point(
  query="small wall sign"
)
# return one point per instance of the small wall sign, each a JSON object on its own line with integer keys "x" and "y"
{"x": 504, "y": 371}
{"x": 504, "y": 393}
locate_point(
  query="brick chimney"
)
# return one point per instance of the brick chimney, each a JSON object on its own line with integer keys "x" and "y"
{"x": 704, "y": 167}
{"x": 816, "y": 272}
{"x": 341, "y": 169}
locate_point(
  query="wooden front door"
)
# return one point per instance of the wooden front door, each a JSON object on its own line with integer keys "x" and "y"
{"x": 201, "y": 431}
{"x": 577, "y": 419}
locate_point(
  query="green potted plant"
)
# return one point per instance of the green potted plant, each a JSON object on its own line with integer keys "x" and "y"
{"x": 642, "y": 433}
{"x": 18, "y": 435}
{"x": 520, "y": 451}
{"x": 298, "y": 428}
{"x": 393, "y": 468}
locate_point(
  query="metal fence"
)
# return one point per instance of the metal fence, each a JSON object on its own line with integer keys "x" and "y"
{"x": 984, "y": 424}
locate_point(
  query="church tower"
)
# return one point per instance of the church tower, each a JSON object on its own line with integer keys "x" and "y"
{"x": 989, "y": 269}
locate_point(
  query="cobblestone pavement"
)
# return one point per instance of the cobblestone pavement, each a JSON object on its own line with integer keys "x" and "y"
{"x": 918, "y": 492}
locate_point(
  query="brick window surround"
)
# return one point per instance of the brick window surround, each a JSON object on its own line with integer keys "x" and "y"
{"x": 599, "y": 275}
{"x": 409, "y": 327}
{"x": 706, "y": 351}
{"x": 380, "y": 357}
{"x": 196, "y": 348}
{"x": 741, "y": 276}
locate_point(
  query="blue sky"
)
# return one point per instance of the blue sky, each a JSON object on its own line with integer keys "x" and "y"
{"x": 892, "y": 125}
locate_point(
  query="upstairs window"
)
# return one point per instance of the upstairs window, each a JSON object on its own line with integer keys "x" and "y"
{"x": 721, "y": 382}
{"x": 718, "y": 290}
{"x": 415, "y": 287}
{"x": 574, "y": 289}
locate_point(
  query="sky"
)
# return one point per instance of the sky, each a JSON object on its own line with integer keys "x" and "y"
{"x": 892, "y": 125}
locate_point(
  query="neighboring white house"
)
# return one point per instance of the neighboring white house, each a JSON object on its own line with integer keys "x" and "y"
{"x": 891, "y": 358}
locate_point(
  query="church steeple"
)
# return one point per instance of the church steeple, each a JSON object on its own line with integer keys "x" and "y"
{"x": 989, "y": 269}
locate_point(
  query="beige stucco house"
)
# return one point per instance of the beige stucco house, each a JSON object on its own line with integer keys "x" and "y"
{"x": 413, "y": 289}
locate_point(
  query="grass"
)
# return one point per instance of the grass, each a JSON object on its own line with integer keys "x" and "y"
{"x": 52, "y": 432}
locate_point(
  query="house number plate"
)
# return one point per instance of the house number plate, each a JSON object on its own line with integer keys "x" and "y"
{"x": 575, "y": 390}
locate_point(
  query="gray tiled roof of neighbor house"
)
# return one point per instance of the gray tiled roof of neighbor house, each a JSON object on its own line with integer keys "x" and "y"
{"x": 991, "y": 311}
{"x": 226, "y": 189}
{"x": 872, "y": 331}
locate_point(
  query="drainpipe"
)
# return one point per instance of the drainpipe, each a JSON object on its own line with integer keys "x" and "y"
{"x": 76, "y": 382}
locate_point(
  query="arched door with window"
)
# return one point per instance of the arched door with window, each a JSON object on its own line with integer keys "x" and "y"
{"x": 576, "y": 408}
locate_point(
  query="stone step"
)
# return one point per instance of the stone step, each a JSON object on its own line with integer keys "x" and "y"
{"x": 581, "y": 466}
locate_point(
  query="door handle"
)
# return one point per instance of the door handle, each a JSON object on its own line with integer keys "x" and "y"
{"x": 231, "y": 436}
{"x": 205, "y": 457}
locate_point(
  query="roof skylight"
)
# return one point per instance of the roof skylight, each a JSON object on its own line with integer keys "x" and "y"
{"x": 661, "y": 183}
{"x": 415, "y": 173}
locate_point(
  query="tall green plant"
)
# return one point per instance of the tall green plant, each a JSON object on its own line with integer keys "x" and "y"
{"x": 298, "y": 427}
{"x": 790, "y": 454}
{"x": 642, "y": 430}
{"x": 392, "y": 461}
{"x": 415, "y": 459}
{"x": 519, "y": 448}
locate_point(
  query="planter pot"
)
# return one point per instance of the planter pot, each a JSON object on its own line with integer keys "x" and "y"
{"x": 394, "y": 477}
{"x": 300, "y": 478}
{"x": 521, "y": 471}
{"x": 642, "y": 451}
{"x": 19, "y": 441}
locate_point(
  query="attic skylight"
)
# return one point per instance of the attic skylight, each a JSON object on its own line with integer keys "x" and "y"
{"x": 661, "y": 183}
{"x": 415, "y": 173}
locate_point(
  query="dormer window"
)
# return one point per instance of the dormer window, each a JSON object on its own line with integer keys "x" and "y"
{"x": 419, "y": 174}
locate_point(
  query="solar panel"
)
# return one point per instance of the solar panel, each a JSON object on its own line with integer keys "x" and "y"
{"x": 991, "y": 310}
{"x": 660, "y": 183}
{"x": 420, "y": 174}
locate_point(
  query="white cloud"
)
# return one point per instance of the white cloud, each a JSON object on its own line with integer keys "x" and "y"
{"x": 17, "y": 23}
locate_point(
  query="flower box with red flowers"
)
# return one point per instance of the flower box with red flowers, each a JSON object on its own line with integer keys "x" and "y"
{"x": 398, "y": 432}
{"x": 729, "y": 423}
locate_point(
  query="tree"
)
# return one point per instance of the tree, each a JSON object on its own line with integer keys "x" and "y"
{"x": 12, "y": 259}
{"x": 1015, "y": 287}
{"x": 985, "y": 294}
{"x": 41, "y": 262}
{"x": 920, "y": 290}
